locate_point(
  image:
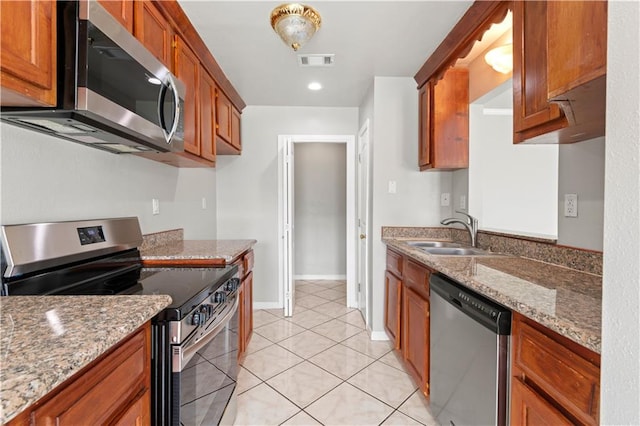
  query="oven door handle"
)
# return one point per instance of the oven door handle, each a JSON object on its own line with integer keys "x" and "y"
{"x": 183, "y": 353}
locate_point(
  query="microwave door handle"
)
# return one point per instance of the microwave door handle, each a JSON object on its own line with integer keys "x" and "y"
{"x": 169, "y": 84}
{"x": 176, "y": 115}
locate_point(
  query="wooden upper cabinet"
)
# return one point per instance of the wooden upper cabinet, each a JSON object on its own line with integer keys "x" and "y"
{"x": 223, "y": 116}
{"x": 577, "y": 39}
{"x": 187, "y": 69}
{"x": 122, "y": 10}
{"x": 235, "y": 129}
{"x": 27, "y": 53}
{"x": 207, "y": 116}
{"x": 153, "y": 30}
{"x": 533, "y": 114}
{"x": 559, "y": 70}
{"x": 444, "y": 122}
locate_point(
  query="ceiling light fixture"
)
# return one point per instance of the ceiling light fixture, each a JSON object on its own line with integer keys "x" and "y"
{"x": 314, "y": 86}
{"x": 501, "y": 58}
{"x": 295, "y": 23}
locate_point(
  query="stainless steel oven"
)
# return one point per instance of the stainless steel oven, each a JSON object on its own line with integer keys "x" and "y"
{"x": 194, "y": 353}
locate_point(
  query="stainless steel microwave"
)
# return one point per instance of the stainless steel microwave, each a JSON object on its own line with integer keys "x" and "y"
{"x": 113, "y": 94}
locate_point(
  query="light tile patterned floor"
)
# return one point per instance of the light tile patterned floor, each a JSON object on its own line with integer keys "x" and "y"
{"x": 319, "y": 367}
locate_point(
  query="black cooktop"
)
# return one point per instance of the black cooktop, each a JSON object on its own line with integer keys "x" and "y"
{"x": 188, "y": 287}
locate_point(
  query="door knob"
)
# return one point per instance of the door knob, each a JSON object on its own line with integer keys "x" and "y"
{"x": 362, "y": 236}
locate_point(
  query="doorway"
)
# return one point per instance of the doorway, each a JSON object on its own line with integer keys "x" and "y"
{"x": 287, "y": 226}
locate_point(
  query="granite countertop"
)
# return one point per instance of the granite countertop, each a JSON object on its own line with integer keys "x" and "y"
{"x": 44, "y": 340}
{"x": 562, "y": 299}
{"x": 204, "y": 251}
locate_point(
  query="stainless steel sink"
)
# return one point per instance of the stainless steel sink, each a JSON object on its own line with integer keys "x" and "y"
{"x": 456, "y": 251}
{"x": 428, "y": 244}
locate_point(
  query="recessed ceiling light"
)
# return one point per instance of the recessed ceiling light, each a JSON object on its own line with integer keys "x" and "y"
{"x": 314, "y": 86}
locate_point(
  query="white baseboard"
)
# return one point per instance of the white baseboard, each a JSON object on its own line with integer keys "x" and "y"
{"x": 378, "y": 335}
{"x": 319, "y": 277}
{"x": 267, "y": 305}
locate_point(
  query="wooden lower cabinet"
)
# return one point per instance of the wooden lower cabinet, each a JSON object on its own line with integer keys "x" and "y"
{"x": 415, "y": 343}
{"x": 114, "y": 389}
{"x": 552, "y": 378}
{"x": 393, "y": 307}
{"x": 529, "y": 408}
{"x": 245, "y": 302}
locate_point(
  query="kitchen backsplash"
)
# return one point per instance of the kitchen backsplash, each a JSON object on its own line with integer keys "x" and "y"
{"x": 161, "y": 238}
{"x": 532, "y": 248}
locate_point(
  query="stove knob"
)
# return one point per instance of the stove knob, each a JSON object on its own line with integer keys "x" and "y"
{"x": 219, "y": 297}
{"x": 232, "y": 284}
{"x": 196, "y": 319}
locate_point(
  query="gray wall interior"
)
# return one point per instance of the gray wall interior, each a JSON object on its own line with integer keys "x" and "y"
{"x": 320, "y": 220}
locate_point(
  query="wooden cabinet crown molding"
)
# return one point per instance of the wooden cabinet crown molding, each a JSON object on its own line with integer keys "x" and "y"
{"x": 470, "y": 28}
{"x": 181, "y": 23}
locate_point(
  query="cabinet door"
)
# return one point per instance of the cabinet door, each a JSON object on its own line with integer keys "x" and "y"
{"x": 112, "y": 387}
{"x": 187, "y": 69}
{"x": 392, "y": 307}
{"x": 122, "y": 10}
{"x": 247, "y": 319}
{"x": 577, "y": 40}
{"x": 154, "y": 31}
{"x": 415, "y": 334}
{"x": 450, "y": 131}
{"x": 223, "y": 116}
{"x": 533, "y": 114}
{"x": 530, "y": 409}
{"x": 138, "y": 413}
{"x": 207, "y": 116}
{"x": 425, "y": 108}
{"x": 235, "y": 129}
{"x": 27, "y": 53}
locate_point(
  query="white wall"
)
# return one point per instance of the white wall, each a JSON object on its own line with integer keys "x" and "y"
{"x": 248, "y": 185}
{"x": 620, "y": 376}
{"x": 512, "y": 188}
{"x": 50, "y": 179}
{"x": 581, "y": 171}
{"x": 394, "y": 148}
{"x": 320, "y": 212}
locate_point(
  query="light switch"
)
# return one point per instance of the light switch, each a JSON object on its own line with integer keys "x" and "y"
{"x": 392, "y": 187}
{"x": 445, "y": 198}
{"x": 155, "y": 206}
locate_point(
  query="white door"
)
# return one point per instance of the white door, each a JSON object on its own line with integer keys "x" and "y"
{"x": 287, "y": 199}
{"x": 363, "y": 221}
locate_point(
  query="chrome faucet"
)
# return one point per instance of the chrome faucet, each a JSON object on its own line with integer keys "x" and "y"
{"x": 471, "y": 223}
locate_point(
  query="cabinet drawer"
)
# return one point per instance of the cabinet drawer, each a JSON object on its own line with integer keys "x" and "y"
{"x": 417, "y": 277}
{"x": 106, "y": 390}
{"x": 394, "y": 263}
{"x": 569, "y": 379}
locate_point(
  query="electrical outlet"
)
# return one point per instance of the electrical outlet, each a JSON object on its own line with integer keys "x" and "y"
{"x": 444, "y": 199}
{"x": 392, "y": 187}
{"x": 155, "y": 206}
{"x": 570, "y": 205}
{"x": 463, "y": 202}
{"x": 204, "y": 203}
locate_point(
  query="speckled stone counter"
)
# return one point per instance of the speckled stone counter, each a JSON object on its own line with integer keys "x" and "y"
{"x": 562, "y": 299}
{"x": 202, "y": 251}
{"x": 44, "y": 340}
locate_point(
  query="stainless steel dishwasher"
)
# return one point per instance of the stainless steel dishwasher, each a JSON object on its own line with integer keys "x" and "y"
{"x": 469, "y": 352}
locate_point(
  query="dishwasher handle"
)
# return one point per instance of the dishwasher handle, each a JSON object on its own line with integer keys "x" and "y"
{"x": 486, "y": 312}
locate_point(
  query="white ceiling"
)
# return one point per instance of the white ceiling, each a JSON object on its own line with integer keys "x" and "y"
{"x": 368, "y": 38}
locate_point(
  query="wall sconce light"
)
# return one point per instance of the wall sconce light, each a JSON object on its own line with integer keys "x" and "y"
{"x": 501, "y": 58}
{"x": 295, "y": 23}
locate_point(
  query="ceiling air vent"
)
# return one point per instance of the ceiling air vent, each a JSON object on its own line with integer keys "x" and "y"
{"x": 316, "y": 60}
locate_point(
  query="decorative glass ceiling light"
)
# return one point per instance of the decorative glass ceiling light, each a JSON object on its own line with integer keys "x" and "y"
{"x": 295, "y": 23}
{"x": 501, "y": 58}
